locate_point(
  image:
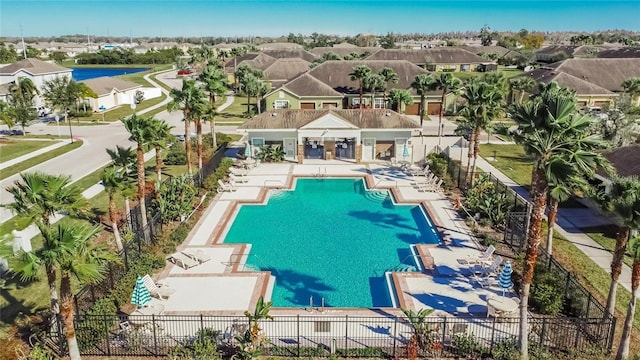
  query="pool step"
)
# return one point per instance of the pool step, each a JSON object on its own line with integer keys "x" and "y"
{"x": 376, "y": 196}
{"x": 392, "y": 289}
{"x": 277, "y": 194}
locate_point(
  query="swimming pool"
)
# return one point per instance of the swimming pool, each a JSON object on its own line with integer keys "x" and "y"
{"x": 80, "y": 74}
{"x": 331, "y": 239}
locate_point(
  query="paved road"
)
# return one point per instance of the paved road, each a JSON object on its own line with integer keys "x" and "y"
{"x": 92, "y": 155}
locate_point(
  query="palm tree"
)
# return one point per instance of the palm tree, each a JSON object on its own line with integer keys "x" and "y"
{"x": 523, "y": 84}
{"x": 447, "y": 83}
{"x": 7, "y": 114}
{"x": 113, "y": 180}
{"x": 209, "y": 115}
{"x": 67, "y": 249}
{"x": 389, "y": 76}
{"x": 21, "y": 100}
{"x": 235, "y": 52}
{"x": 250, "y": 85}
{"x": 372, "y": 83}
{"x": 397, "y": 97}
{"x": 632, "y": 87}
{"x": 139, "y": 130}
{"x": 625, "y": 340}
{"x": 160, "y": 135}
{"x": 559, "y": 141}
{"x": 125, "y": 160}
{"x": 623, "y": 202}
{"x": 190, "y": 101}
{"x": 483, "y": 105}
{"x": 39, "y": 196}
{"x": 261, "y": 91}
{"x": 215, "y": 82}
{"x": 423, "y": 83}
{"x": 358, "y": 74}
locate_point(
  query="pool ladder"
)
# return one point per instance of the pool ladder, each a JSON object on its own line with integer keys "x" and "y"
{"x": 245, "y": 266}
{"x": 310, "y": 308}
{"x": 321, "y": 174}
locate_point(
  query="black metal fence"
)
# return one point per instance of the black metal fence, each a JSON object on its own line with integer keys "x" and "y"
{"x": 330, "y": 336}
{"x": 211, "y": 166}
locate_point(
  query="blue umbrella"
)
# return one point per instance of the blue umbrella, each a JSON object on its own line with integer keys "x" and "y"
{"x": 247, "y": 151}
{"x": 504, "y": 281}
{"x": 141, "y": 295}
{"x": 405, "y": 151}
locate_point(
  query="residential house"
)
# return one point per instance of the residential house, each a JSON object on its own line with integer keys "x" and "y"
{"x": 350, "y": 135}
{"x": 37, "y": 70}
{"x": 343, "y": 51}
{"x": 280, "y": 46}
{"x": 114, "y": 92}
{"x": 283, "y": 70}
{"x": 290, "y": 53}
{"x": 329, "y": 85}
{"x": 554, "y": 53}
{"x": 494, "y": 52}
{"x": 625, "y": 162}
{"x": 625, "y": 52}
{"x": 596, "y": 81}
{"x": 435, "y": 59}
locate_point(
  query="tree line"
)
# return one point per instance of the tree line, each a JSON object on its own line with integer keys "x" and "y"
{"x": 129, "y": 56}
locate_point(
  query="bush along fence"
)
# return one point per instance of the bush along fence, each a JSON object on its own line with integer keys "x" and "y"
{"x": 346, "y": 336}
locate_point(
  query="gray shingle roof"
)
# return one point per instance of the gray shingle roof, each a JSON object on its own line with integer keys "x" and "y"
{"x": 626, "y": 52}
{"x": 606, "y": 73}
{"x": 291, "y": 53}
{"x": 336, "y": 74}
{"x": 582, "y": 87}
{"x": 286, "y": 69}
{"x": 363, "y": 119}
{"x": 104, "y": 85}
{"x": 626, "y": 160}
{"x": 33, "y": 66}
{"x": 343, "y": 51}
{"x": 279, "y": 46}
{"x": 307, "y": 85}
{"x": 438, "y": 55}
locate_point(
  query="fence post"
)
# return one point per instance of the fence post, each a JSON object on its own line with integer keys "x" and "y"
{"x": 588, "y": 305}
{"x": 106, "y": 334}
{"x": 155, "y": 336}
{"x": 298, "y": 327}
{"x": 544, "y": 330}
{"x": 201, "y": 323}
{"x": 346, "y": 334}
{"x": 395, "y": 335}
{"x": 444, "y": 330}
{"x": 493, "y": 334}
{"x": 612, "y": 331}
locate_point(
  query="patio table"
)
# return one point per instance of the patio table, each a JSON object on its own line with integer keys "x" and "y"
{"x": 503, "y": 304}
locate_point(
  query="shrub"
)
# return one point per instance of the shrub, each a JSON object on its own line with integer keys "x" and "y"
{"x": 221, "y": 172}
{"x": 145, "y": 264}
{"x": 176, "y": 155}
{"x": 466, "y": 345}
{"x": 546, "y": 291}
{"x": 483, "y": 198}
{"x": 506, "y": 349}
{"x": 488, "y": 240}
{"x": 179, "y": 234}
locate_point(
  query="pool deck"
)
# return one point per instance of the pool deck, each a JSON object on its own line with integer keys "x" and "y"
{"x": 223, "y": 286}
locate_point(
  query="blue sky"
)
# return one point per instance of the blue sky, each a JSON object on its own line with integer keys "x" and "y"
{"x": 273, "y": 18}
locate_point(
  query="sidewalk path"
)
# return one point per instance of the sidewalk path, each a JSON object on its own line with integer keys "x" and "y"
{"x": 568, "y": 225}
{"x": 19, "y": 159}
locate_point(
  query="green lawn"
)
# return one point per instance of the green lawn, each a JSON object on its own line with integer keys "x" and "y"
{"x": 606, "y": 237}
{"x": 24, "y": 165}
{"x": 511, "y": 160}
{"x": 234, "y": 113}
{"x": 11, "y": 148}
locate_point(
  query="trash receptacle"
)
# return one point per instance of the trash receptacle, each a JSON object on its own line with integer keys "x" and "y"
{"x": 327, "y": 155}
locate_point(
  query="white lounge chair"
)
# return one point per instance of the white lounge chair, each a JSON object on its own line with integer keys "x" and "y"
{"x": 225, "y": 187}
{"x": 432, "y": 187}
{"x": 487, "y": 255}
{"x": 485, "y": 271}
{"x": 238, "y": 179}
{"x": 239, "y": 172}
{"x": 183, "y": 260}
{"x": 160, "y": 290}
{"x": 198, "y": 255}
{"x": 419, "y": 172}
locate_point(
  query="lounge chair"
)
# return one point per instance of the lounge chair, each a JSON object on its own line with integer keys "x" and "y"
{"x": 183, "y": 260}
{"x": 239, "y": 172}
{"x": 419, "y": 172}
{"x": 485, "y": 271}
{"x": 238, "y": 179}
{"x": 161, "y": 291}
{"x": 485, "y": 256}
{"x": 433, "y": 187}
{"x": 225, "y": 187}
{"x": 198, "y": 255}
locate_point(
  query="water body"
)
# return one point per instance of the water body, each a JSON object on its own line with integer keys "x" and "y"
{"x": 80, "y": 74}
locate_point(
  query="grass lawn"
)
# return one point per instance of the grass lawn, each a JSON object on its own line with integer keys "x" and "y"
{"x": 24, "y": 165}
{"x": 511, "y": 161}
{"x": 606, "y": 237}
{"x": 11, "y": 148}
{"x": 234, "y": 113}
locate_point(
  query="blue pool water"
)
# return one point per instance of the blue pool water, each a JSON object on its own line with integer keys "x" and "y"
{"x": 80, "y": 74}
{"x": 331, "y": 238}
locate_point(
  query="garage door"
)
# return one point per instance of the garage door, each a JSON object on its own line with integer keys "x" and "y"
{"x": 330, "y": 105}
{"x": 413, "y": 109}
{"x": 308, "y": 105}
{"x": 433, "y": 108}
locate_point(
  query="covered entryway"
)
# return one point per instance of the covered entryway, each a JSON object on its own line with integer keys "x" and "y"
{"x": 289, "y": 148}
{"x": 313, "y": 148}
{"x": 368, "y": 149}
{"x": 307, "y": 105}
{"x": 413, "y": 109}
{"x": 330, "y": 105}
{"x": 345, "y": 148}
{"x": 433, "y": 108}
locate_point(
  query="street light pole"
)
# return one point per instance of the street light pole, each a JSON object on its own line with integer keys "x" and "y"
{"x": 66, "y": 118}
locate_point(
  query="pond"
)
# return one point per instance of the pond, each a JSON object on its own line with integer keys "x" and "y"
{"x": 80, "y": 74}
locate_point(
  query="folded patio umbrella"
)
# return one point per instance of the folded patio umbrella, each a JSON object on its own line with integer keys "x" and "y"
{"x": 141, "y": 295}
{"x": 405, "y": 151}
{"x": 247, "y": 151}
{"x": 504, "y": 281}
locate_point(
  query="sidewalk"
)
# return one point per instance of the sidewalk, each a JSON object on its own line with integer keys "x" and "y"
{"x": 568, "y": 225}
{"x": 19, "y": 159}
